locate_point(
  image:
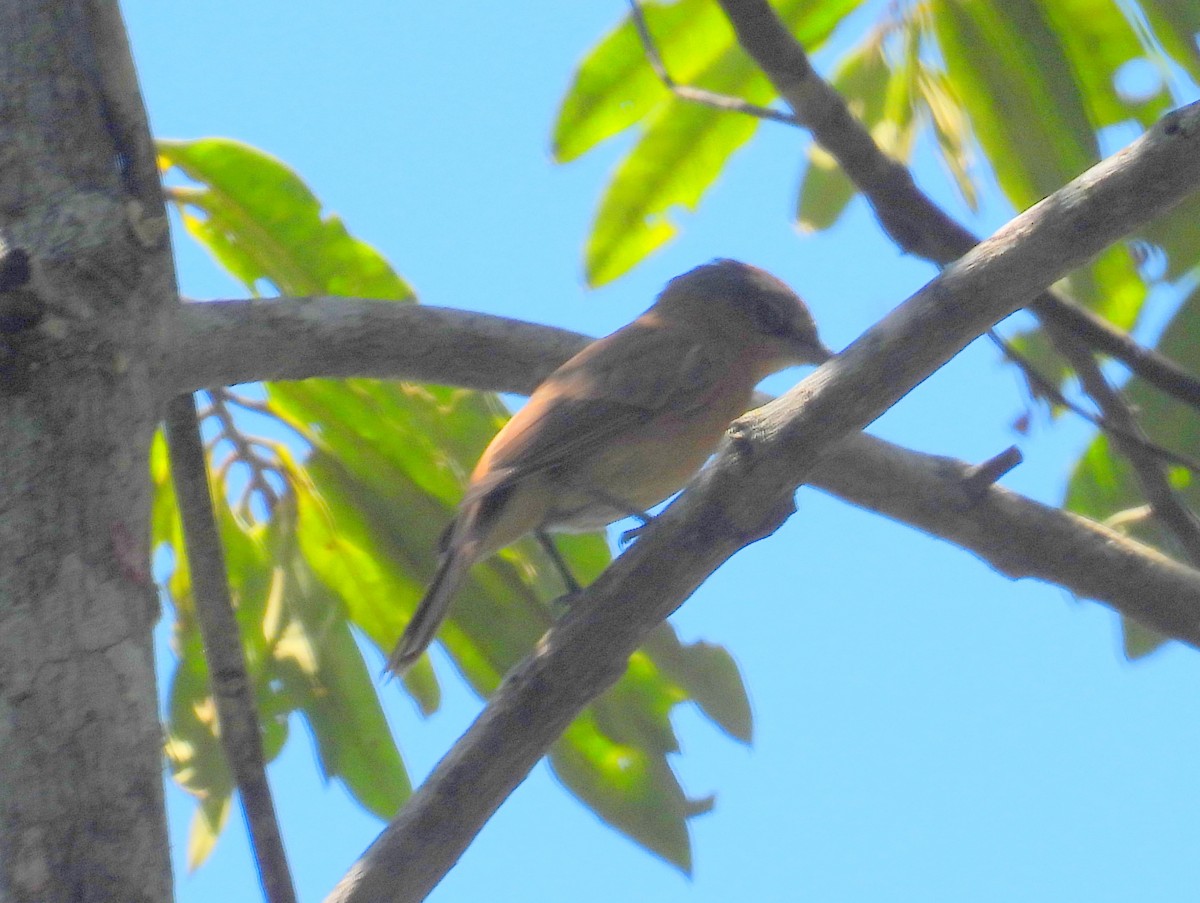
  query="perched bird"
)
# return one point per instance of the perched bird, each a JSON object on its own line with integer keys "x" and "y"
{"x": 623, "y": 424}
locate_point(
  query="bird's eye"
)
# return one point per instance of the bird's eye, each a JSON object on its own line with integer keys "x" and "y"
{"x": 772, "y": 321}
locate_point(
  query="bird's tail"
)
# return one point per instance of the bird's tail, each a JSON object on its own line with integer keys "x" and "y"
{"x": 431, "y": 612}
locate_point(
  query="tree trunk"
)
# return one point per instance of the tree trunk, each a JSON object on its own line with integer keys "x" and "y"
{"x": 81, "y": 798}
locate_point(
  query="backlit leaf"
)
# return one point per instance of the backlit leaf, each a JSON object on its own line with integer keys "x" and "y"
{"x": 683, "y": 146}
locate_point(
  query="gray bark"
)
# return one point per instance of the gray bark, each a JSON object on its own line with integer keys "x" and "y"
{"x": 81, "y": 798}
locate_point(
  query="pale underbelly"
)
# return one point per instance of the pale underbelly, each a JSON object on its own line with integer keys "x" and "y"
{"x": 628, "y": 483}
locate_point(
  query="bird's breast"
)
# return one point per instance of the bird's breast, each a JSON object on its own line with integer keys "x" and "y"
{"x": 634, "y": 472}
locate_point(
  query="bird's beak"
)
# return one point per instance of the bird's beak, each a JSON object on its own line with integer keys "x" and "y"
{"x": 808, "y": 350}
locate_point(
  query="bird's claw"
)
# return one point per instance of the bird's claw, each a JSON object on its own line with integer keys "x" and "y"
{"x": 560, "y": 605}
{"x": 631, "y": 534}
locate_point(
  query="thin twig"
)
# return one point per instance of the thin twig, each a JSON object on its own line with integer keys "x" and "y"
{"x": 1154, "y": 367}
{"x": 246, "y": 451}
{"x": 1169, "y": 509}
{"x": 1047, "y": 388}
{"x": 1119, "y": 422}
{"x": 237, "y": 714}
{"x": 979, "y": 478}
{"x": 250, "y": 404}
{"x": 702, "y": 96}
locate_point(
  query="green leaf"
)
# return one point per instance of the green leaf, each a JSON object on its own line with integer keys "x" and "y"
{"x": 708, "y": 675}
{"x": 614, "y": 86}
{"x": 1036, "y": 79}
{"x": 1103, "y": 484}
{"x": 300, "y": 656}
{"x": 952, "y": 130}
{"x": 1111, "y": 286}
{"x": 1018, "y": 89}
{"x": 825, "y": 191}
{"x": 627, "y": 787}
{"x": 389, "y": 466}
{"x": 324, "y": 677}
{"x": 683, "y": 146}
{"x": 1175, "y": 24}
{"x": 1097, "y": 39}
{"x": 1139, "y": 641}
{"x": 207, "y": 823}
{"x": 431, "y": 434}
{"x": 261, "y": 222}
{"x": 867, "y": 84}
{"x": 378, "y": 558}
{"x": 637, "y": 709}
{"x": 352, "y": 537}
{"x": 676, "y": 160}
{"x": 347, "y": 556}
{"x": 349, "y": 540}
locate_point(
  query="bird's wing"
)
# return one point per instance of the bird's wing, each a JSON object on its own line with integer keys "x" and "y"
{"x": 613, "y": 386}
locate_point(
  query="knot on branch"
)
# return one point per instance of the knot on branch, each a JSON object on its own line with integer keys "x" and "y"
{"x": 14, "y": 269}
{"x": 744, "y": 434}
{"x": 1182, "y": 121}
{"x": 746, "y": 526}
{"x": 978, "y": 479}
{"x": 20, "y": 307}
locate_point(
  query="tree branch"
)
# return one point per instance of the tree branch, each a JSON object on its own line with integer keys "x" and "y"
{"x": 222, "y": 343}
{"x": 1013, "y": 534}
{"x": 1150, "y": 365}
{"x": 1044, "y": 386}
{"x": 1165, "y": 504}
{"x": 237, "y": 714}
{"x": 746, "y": 493}
{"x": 864, "y": 160}
{"x": 706, "y": 98}
{"x": 918, "y": 225}
{"x": 230, "y": 340}
{"x": 1155, "y": 368}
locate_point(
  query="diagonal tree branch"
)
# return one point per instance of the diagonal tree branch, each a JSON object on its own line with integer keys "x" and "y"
{"x": 918, "y": 225}
{"x": 1155, "y": 368}
{"x": 746, "y": 493}
{"x": 237, "y": 714}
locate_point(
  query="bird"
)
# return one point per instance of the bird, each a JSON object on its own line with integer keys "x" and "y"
{"x": 624, "y": 424}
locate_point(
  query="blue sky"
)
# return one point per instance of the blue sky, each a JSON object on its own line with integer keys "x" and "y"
{"x": 925, "y": 729}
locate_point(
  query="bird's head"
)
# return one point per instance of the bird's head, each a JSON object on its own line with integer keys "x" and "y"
{"x": 748, "y": 307}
